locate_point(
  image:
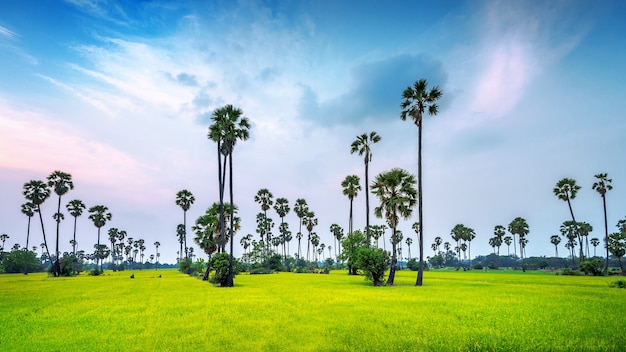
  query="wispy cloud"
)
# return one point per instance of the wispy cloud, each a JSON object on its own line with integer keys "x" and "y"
{"x": 7, "y": 33}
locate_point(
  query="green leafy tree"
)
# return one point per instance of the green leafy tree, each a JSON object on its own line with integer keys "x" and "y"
{"x": 396, "y": 192}
{"x": 374, "y": 262}
{"x": 566, "y": 190}
{"x": 603, "y": 185}
{"x": 362, "y": 145}
{"x": 418, "y": 100}
{"x": 37, "y": 192}
{"x": 351, "y": 243}
{"x": 184, "y": 199}
{"x": 99, "y": 214}
{"x": 617, "y": 247}
{"x": 351, "y": 187}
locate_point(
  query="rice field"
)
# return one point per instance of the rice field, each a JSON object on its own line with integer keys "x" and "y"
{"x": 453, "y": 311}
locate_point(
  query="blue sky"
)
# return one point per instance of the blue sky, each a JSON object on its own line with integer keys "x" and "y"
{"x": 119, "y": 94}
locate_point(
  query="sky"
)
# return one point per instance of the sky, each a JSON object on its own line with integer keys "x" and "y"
{"x": 119, "y": 94}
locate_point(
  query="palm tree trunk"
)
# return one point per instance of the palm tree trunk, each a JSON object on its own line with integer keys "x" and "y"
{"x": 74, "y": 243}
{"x": 367, "y": 203}
{"x": 43, "y": 231}
{"x": 25, "y": 252}
{"x": 392, "y": 270}
{"x": 350, "y": 220}
{"x": 230, "y": 280}
{"x": 220, "y": 180}
{"x": 420, "y": 271}
{"x": 57, "y": 264}
{"x": 580, "y": 241}
{"x": 606, "y": 237}
{"x": 187, "y": 263}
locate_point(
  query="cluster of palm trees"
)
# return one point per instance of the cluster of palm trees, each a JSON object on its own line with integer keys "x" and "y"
{"x": 37, "y": 192}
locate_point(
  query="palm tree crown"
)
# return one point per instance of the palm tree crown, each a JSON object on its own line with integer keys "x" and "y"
{"x": 362, "y": 146}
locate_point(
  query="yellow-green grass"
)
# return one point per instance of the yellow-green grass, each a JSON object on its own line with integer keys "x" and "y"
{"x": 453, "y": 311}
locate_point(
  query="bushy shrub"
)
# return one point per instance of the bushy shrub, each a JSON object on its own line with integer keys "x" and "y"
{"x": 621, "y": 283}
{"x": 592, "y": 266}
{"x": 219, "y": 262}
{"x": 373, "y": 262}
{"x": 570, "y": 272}
{"x": 413, "y": 264}
{"x": 477, "y": 266}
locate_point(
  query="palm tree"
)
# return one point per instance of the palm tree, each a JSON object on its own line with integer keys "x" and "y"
{"x": 208, "y": 229}
{"x": 113, "y": 238}
{"x": 457, "y": 235}
{"x": 266, "y": 199}
{"x": 301, "y": 209}
{"x": 555, "y": 240}
{"x": 351, "y": 187}
{"x": 75, "y": 208}
{"x": 5, "y": 237}
{"x": 99, "y": 214}
{"x": 282, "y": 209}
{"x": 566, "y": 190}
{"x": 61, "y": 183}
{"x": 568, "y": 230}
{"x": 519, "y": 227}
{"x": 180, "y": 233}
{"x": 310, "y": 221}
{"x": 417, "y": 100}
{"x": 584, "y": 229}
{"x": 337, "y": 233}
{"x": 396, "y": 191}
{"x": 29, "y": 210}
{"x": 409, "y": 242}
{"x": 157, "y": 244}
{"x": 229, "y": 126}
{"x": 602, "y": 185}
{"x": 508, "y": 240}
{"x": 595, "y": 242}
{"x": 185, "y": 199}
{"x": 37, "y": 192}
{"x": 362, "y": 145}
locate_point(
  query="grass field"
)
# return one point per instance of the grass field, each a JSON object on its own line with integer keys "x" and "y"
{"x": 453, "y": 311}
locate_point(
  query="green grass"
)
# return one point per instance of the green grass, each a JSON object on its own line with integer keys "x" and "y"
{"x": 453, "y": 311}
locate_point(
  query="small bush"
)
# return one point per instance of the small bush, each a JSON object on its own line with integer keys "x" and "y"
{"x": 413, "y": 264}
{"x": 477, "y": 266}
{"x": 570, "y": 272}
{"x": 592, "y": 266}
{"x": 621, "y": 283}
{"x": 374, "y": 262}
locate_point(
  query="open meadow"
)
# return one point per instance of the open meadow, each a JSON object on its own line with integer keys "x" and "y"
{"x": 453, "y": 311}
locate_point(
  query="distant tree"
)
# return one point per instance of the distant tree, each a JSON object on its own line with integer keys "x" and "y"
{"x": 5, "y": 237}
{"x": 519, "y": 227}
{"x": 37, "y": 192}
{"x": 362, "y": 145}
{"x": 602, "y": 185}
{"x": 409, "y": 242}
{"x": 266, "y": 199}
{"x": 566, "y": 190}
{"x": 555, "y": 240}
{"x": 337, "y": 232}
{"x": 351, "y": 187}
{"x": 180, "y": 234}
{"x": 416, "y": 101}
{"x": 584, "y": 229}
{"x": 99, "y": 214}
{"x": 351, "y": 243}
{"x": 75, "y": 207}
{"x": 508, "y": 240}
{"x": 310, "y": 221}
{"x": 595, "y": 242}
{"x": 61, "y": 183}
{"x": 396, "y": 191}
{"x": 157, "y": 244}
{"x": 282, "y": 209}
{"x": 617, "y": 246}
{"x": 184, "y": 199}
{"x": 29, "y": 210}
{"x": 301, "y": 209}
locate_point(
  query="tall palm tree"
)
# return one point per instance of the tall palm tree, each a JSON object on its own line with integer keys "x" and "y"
{"x": 185, "y": 199}
{"x": 113, "y": 238}
{"x": 555, "y": 240}
{"x": 469, "y": 236}
{"x": 75, "y": 208}
{"x": 409, "y": 242}
{"x": 5, "y": 237}
{"x": 566, "y": 190}
{"x": 37, "y": 192}
{"x": 301, "y": 208}
{"x": 282, "y": 209}
{"x": 337, "y": 233}
{"x": 157, "y": 244}
{"x": 519, "y": 227}
{"x": 99, "y": 214}
{"x": 602, "y": 185}
{"x": 229, "y": 126}
{"x": 266, "y": 199}
{"x": 584, "y": 229}
{"x": 351, "y": 187}
{"x": 508, "y": 240}
{"x": 61, "y": 183}
{"x": 362, "y": 145}
{"x": 396, "y": 192}
{"x": 416, "y": 101}
{"x": 29, "y": 210}
{"x": 595, "y": 242}
{"x": 180, "y": 234}
{"x": 310, "y": 221}
{"x": 569, "y": 230}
